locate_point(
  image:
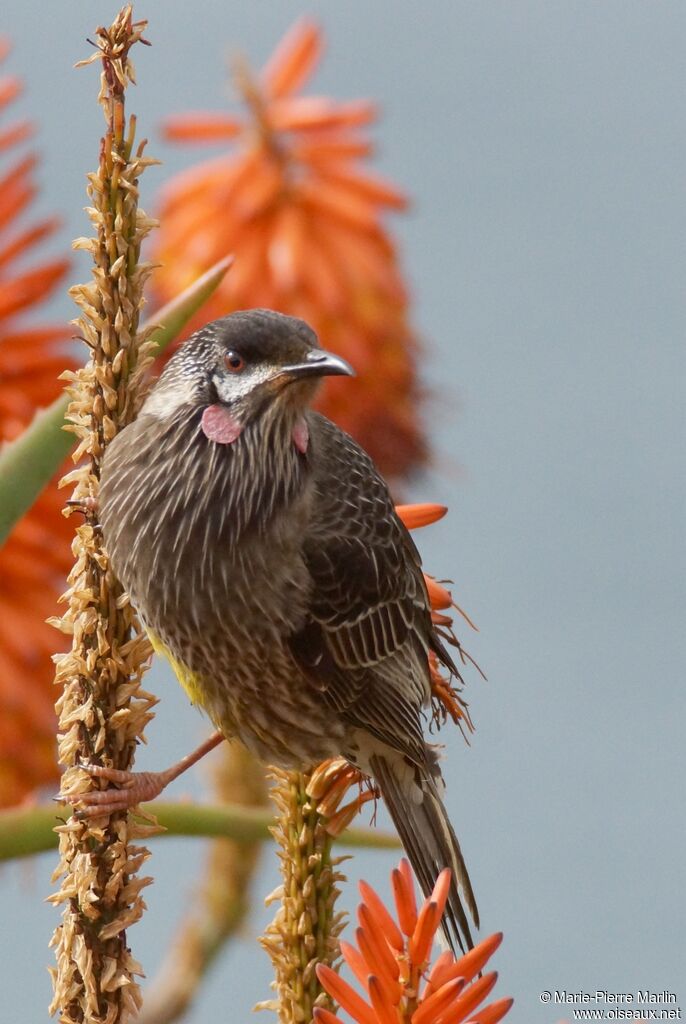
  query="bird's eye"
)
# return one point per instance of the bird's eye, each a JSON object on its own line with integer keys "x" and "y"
{"x": 234, "y": 362}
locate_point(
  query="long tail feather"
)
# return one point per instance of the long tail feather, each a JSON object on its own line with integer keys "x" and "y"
{"x": 422, "y": 822}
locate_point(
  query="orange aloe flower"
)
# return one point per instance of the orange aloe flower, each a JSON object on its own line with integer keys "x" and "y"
{"x": 391, "y": 964}
{"x": 304, "y": 217}
{"x": 36, "y": 556}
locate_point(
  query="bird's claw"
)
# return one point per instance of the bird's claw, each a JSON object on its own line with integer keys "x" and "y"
{"x": 128, "y": 789}
{"x": 87, "y": 505}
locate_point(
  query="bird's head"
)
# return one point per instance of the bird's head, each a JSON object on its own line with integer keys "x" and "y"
{"x": 239, "y": 367}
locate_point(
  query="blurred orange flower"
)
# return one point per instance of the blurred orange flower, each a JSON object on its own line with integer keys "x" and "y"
{"x": 391, "y": 963}
{"x": 36, "y": 557}
{"x": 304, "y": 219}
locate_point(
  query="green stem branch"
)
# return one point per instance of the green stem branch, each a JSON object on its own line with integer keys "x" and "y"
{"x": 29, "y": 830}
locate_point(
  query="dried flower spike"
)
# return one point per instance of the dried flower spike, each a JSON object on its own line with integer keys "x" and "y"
{"x": 103, "y": 709}
{"x": 304, "y": 933}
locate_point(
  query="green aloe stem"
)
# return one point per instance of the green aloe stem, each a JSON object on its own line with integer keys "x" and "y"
{"x": 29, "y": 830}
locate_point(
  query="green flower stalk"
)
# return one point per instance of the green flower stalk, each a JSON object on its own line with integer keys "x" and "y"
{"x": 103, "y": 709}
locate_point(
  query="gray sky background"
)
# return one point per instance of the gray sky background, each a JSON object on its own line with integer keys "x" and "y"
{"x": 544, "y": 146}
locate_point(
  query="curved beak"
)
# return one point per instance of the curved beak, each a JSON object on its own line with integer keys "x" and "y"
{"x": 318, "y": 363}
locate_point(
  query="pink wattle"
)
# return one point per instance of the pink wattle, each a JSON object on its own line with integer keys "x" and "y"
{"x": 219, "y": 425}
{"x": 301, "y": 436}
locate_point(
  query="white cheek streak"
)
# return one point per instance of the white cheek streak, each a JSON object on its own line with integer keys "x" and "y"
{"x": 234, "y": 387}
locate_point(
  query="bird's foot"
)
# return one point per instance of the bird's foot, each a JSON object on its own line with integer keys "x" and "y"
{"x": 128, "y": 789}
{"x": 330, "y": 784}
{"x": 86, "y": 505}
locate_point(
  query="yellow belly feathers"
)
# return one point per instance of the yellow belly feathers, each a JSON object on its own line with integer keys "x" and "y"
{"x": 190, "y": 681}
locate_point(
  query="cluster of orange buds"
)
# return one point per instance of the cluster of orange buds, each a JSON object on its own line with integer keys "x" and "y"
{"x": 446, "y": 691}
{"x": 35, "y": 558}
{"x": 391, "y": 963}
{"x": 329, "y": 785}
{"x": 303, "y": 216}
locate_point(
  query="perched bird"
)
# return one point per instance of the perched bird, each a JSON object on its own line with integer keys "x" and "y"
{"x": 262, "y": 550}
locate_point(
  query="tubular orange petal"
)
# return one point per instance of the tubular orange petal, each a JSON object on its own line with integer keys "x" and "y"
{"x": 27, "y": 349}
{"x": 405, "y": 870}
{"x": 439, "y": 896}
{"x": 441, "y": 620}
{"x": 346, "y": 996}
{"x": 462, "y": 1008}
{"x": 250, "y": 262}
{"x": 392, "y": 989}
{"x": 339, "y": 821}
{"x": 30, "y": 287}
{"x": 328, "y": 806}
{"x": 439, "y": 1001}
{"x": 438, "y": 595}
{"x": 195, "y": 200}
{"x": 201, "y": 127}
{"x": 383, "y": 1008}
{"x": 337, "y": 202}
{"x": 287, "y": 246}
{"x": 472, "y": 962}
{"x": 416, "y": 516}
{"x": 23, "y": 565}
{"x": 324, "y": 1016}
{"x": 365, "y": 271}
{"x": 444, "y": 962}
{"x": 308, "y": 113}
{"x": 18, "y": 172}
{"x": 10, "y": 88}
{"x": 256, "y": 192}
{"x": 14, "y": 134}
{"x": 494, "y": 1012}
{"x": 371, "y": 189}
{"x": 328, "y": 775}
{"x": 405, "y": 903}
{"x": 355, "y": 962}
{"x": 27, "y": 239}
{"x": 211, "y": 177}
{"x": 381, "y": 916}
{"x": 422, "y": 938}
{"x": 14, "y": 198}
{"x": 294, "y": 59}
{"x": 367, "y": 266}
{"x": 327, "y": 148}
{"x": 323, "y": 277}
{"x": 387, "y": 965}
